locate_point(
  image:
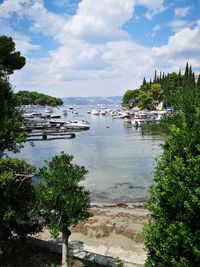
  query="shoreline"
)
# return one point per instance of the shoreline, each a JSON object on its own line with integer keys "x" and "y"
{"x": 114, "y": 231}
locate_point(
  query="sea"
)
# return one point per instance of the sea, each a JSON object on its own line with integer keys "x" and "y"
{"x": 120, "y": 159}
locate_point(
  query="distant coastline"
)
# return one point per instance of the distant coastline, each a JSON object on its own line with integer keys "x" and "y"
{"x": 93, "y": 100}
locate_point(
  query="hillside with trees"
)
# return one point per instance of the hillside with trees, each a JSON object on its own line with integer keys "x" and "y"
{"x": 161, "y": 88}
{"x": 172, "y": 236}
{"x": 35, "y": 98}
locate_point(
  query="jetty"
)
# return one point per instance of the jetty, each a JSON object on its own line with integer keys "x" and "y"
{"x": 47, "y": 135}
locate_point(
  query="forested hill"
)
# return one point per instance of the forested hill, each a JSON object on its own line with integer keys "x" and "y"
{"x": 162, "y": 88}
{"x": 34, "y": 98}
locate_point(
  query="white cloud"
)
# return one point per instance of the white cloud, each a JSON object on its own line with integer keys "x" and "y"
{"x": 154, "y": 7}
{"x": 156, "y": 28}
{"x": 94, "y": 55}
{"x": 8, "y": 7}
{"x": 179, "y": 24}
{"x": 183, "y": 46}
{"x": 182, "y": 11}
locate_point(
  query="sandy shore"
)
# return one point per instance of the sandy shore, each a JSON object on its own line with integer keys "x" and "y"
{"x": 113, "y": 231}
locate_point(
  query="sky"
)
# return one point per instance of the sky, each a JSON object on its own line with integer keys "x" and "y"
{"x": 99, "y": 47}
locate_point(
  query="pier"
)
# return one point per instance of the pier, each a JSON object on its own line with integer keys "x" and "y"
{"x": 47, "y": 135}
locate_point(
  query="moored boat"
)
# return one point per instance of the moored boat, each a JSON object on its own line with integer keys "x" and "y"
{"x": 77, "y": 125}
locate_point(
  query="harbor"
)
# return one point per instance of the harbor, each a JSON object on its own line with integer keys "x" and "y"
{"x": 118, "y": 156}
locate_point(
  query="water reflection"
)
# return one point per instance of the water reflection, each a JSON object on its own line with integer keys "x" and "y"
{"x": 120, "y": 159}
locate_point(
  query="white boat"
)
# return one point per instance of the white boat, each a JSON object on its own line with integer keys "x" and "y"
{"x": 48, "y": 110}
{"x": 77, "y": 125}
{"x": 94, "y": 112}
{"x": 55, "y": 116}
{"x": 119, "y": 115}
{"x": 71, "y": 108}
{"x": 157, "y": 116}
{"x": 102, "y": 112}
{"x": 140, "y": 119}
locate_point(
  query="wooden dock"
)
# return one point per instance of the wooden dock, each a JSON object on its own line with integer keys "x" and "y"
{"x": 49, "y": 135}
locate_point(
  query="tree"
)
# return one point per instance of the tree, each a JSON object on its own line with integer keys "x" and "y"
{"x": 11, "y": 121}
{"x": 18, "y": 215}
{"x": 34, "y": 98}
{"x": 10, "y": 59}
{"x": 145, "y": 100}
{"x": 64, "y": 202}
{"x": 129, "y": 97}
{"x": 17, "y": 194}
{"x": 173, "y": 236}
{"x": 156, "y": 91}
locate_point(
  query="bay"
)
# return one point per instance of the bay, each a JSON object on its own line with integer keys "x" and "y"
{"x": 120, "y": 159}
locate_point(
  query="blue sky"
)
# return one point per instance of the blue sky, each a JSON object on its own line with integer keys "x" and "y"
{"x": 93, "y": 47}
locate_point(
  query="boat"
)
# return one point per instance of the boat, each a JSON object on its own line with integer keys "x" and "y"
{"x": 94, "y": 112}
{"x": 65, "y": 112}
{"x": 48, "y": 110}
{"x": 119, "y": 115}
{"x": 102, "y": 112}
{"x": 71, "y": 108}
{"x": 55, "y": 116}
{"x": 139, "y": 119}
{"x": 77, "y": 125}
{"x": 56, "y": 122}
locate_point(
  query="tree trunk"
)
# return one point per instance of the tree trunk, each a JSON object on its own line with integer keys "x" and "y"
{"x": 65, "y": 248}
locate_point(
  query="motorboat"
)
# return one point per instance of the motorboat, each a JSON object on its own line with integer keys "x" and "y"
{"x": 48, "y": 110}
{"x": 119, "y": 115}
{"x": 94, "y": 112}
{"x": 102, "y": 112}
{"x": 139, "y": 119}
{"x": 77, "y": 125}
{"x": 57, "y": 122}
{"x": 55, "y": 116}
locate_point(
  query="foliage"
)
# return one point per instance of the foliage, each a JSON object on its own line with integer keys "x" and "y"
{"x": 173, "y": 236}
{"x": 129, "y": 97}
{"x": 162, "y": 88}
{"x": 64, "y": 202}
{"x": 11, "y": 120}
{"x": 34, "y": 98}
{"x": 17, "y": 198}
{"x": 10, "y": 59}
{"x": 145, "y": 100}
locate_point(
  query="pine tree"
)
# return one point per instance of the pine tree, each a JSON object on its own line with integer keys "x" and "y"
{"x": 144, "y": 81}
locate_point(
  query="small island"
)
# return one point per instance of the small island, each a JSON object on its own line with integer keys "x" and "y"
{"x": 35, "y": 98}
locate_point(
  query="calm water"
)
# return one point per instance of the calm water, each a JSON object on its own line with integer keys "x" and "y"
{"x": 120, "y": 160}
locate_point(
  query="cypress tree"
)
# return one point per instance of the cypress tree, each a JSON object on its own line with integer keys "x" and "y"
{"x": 155, "y": 77}
{"x": 172, "y": 237}
{"x": 186, "y": 76}
{"x": 144, "y": 81}
{"x": 198, "y": 83}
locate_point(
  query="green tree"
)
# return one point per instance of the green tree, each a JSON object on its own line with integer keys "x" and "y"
{"x": 198, "y": 83}
{"x": 156, "y": 91}
{"x": 129, "y": 96}
{"x": 10, "y": 59}
{"x": 17, "y": 197}
{"x": 11, "y": 121}
{"x": 63, "y": 201}
{"x": 145, "y": 100}
{"x": 173, "y": 236}
{"x": 35, "y": 98}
